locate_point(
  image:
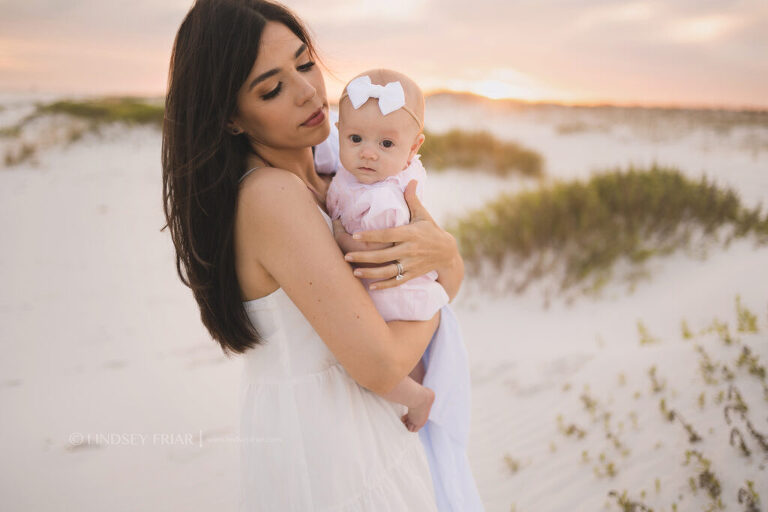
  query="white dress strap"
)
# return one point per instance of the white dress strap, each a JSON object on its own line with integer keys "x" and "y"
{"x": 249, "y": 171}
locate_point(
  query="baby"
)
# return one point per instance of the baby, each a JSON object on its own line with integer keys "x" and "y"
{"x": 380, "y": 133}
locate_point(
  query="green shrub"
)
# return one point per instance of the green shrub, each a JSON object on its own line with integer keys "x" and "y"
{"x": 585, "y": 228}
{"x": 129, "y": 110}
{"x": 479, "y": 150}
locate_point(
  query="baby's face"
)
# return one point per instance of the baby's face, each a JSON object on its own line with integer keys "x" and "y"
{"x": 373, "y": 146}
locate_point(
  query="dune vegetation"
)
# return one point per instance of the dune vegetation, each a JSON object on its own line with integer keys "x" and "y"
{"x": 723, "y": 363}
{"x": 80, "y": 117}
{"x": 96, "y": 111}
{"x": 457, "y": 148}
{"x": 479, "y": 151}
{"x": 123, "y": 109}
{"x": 579, "y": 231}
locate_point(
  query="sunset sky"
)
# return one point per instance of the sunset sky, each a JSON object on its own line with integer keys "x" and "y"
{"x": 673, "y": 52}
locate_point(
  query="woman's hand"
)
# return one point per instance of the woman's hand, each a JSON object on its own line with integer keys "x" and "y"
{"x": 420, "y": 247}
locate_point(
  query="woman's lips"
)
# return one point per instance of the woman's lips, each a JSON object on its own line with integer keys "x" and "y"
{"x": 315, "y": 119}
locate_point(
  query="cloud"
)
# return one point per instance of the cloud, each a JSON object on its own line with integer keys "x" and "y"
{"x": 92, "y": 18}
{"x": 650, "y": 50}
{"x": 631, "y": 12}
{"x": 642, "y": 50}
{"x": 703, "y": 29}
{"x": 338, "y": 12}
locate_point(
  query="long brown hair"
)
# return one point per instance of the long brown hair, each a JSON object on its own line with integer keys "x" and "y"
{"x": 213, "y": 53}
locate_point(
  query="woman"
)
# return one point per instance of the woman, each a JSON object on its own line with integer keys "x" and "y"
{"x": 246, "y": 105}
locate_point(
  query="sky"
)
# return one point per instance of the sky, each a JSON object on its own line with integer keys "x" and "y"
{"x": 673, "y": 52}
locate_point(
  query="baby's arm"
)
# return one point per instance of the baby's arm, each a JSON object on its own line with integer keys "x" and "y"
{"x": 349, "y": 244}
{"x": 377, "y": 215}
{"x": 379, "y": 208}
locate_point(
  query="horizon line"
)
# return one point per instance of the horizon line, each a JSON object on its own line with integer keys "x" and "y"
{"x": 586, "y": 103}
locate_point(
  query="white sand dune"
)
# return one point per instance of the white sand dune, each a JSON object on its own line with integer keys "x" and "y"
{"x": 100, "y": 339}
{"x": 733, "y": 155}
{"x": 523, "y": 356}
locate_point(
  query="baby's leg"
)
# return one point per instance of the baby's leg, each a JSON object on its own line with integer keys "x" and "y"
{"x": 417, "y": 398}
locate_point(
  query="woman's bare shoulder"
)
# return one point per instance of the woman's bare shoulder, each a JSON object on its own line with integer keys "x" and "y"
{"x": 271, "y": 190}
{"x": 264, "y": 180}
{"x": 269, "y": 203}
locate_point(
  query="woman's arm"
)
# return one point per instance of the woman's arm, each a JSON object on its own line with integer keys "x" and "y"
{"x": 279, "y": 225}
{"x": 420, "y": 246}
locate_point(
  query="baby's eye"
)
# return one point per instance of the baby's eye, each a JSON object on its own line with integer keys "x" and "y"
{"x": 355, "y": 138}
{"x": 387, "y": 143}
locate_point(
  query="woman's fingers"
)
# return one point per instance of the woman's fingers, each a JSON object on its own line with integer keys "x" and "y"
{"x": 382, "y": 272}
{"x": 391, "y": 283}
{"x": 418, "y": 212}
{"x": 388, "y": 235}
{"x": 378, "y": 256}
{"x": 388, "y": 274}
{"x": 419, "y": 246}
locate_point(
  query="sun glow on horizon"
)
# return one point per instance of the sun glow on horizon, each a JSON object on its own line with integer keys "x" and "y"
{"x": 497, "y": 89}
{"x": 497, "y": 84}
{"x": 502, "y": 83}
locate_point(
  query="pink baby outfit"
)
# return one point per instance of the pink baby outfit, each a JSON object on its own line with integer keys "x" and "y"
{"x": 380, "y": 205}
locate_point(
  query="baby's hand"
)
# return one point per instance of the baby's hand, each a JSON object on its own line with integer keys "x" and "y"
{"x": 339, "y": 232}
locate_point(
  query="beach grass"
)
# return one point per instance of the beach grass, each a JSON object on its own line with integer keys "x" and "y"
{"x": 81, "y": 117}
{"x": 714, "y": 409}
{"x": 10, "y": 131}
{"x": 23, "y": 153}
{"x": 118, "y": 109}
{"x": 479, "y": 151}
{"x": 95, "y": 111}
{"x": 582, "y": 229}
{"x": 457, "y": 148}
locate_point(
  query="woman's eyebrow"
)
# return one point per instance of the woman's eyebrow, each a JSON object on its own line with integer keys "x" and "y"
{"x": 272, "y": 72}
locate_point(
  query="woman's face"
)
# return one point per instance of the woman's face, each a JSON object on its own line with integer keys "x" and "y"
{"x": 283, "y": 91}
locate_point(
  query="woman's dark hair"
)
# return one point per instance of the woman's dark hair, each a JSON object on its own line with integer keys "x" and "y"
{"x": 214, "y": 51}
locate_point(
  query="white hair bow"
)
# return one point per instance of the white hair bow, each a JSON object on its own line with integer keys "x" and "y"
{"x": 391, "y": 96}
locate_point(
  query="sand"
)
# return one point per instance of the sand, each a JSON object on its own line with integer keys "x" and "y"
{"x": 114, "y": 396}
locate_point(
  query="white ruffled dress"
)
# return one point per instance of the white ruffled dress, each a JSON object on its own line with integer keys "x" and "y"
{"x": 312, "y": 439}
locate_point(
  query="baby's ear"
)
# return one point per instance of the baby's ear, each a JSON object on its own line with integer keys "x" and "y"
{"x": 416, "y": 145}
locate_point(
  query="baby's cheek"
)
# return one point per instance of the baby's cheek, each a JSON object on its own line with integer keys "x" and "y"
{"x": 395, "y": 164}
{"x": 345, "y": 157}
